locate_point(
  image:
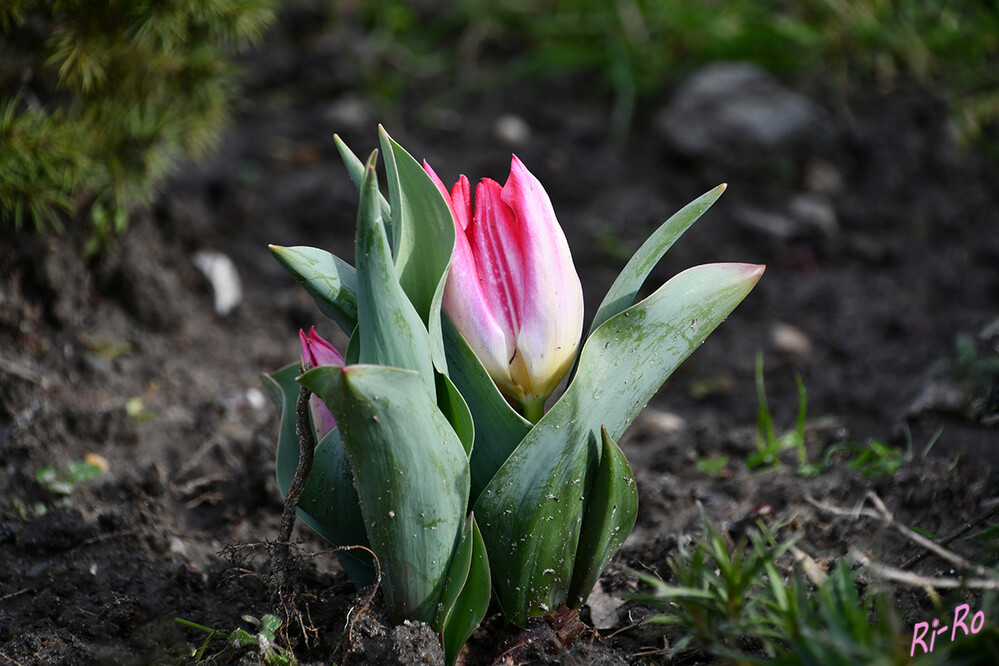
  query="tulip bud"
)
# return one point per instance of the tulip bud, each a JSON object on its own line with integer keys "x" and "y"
{"x": 316, "y": 352}
{"x": 513, "y": 291}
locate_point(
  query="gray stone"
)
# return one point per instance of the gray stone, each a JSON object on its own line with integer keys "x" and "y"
{"x": 738, "y": 108}
{"x": 512, "y": 130}
{"x": 815, "y": 211}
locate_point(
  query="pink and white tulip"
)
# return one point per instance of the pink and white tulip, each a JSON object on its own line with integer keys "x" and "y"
{"x": 513, "y": 291}
{"x": 316, "y": 352}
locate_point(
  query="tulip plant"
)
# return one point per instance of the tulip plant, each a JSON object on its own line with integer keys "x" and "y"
{"x": 434, "y": 449}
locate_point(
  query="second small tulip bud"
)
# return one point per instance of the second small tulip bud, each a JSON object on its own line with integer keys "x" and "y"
{"x": 316, "y": 352}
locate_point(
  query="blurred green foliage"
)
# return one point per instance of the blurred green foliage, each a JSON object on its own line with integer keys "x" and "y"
{"x": 100, "y": 100}
{"x": 636, "y": 46}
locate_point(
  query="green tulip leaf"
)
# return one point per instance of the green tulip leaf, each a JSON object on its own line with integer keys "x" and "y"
{"x": 331, "y": 508}
{"x": 498, "y": 427}
{"x": 466, "y": 593}
{"x": 455, "y": 410}
{"x": 422, "y": 228}
{"x": 284, "y": 390}
{"x": 611, "y": 511}
{"x": 355, "y": 169}
{"x": 411, "y": 474}
{"x": 532, "y": 510}
{"x": 329, "y": 503}
{"x": 352, "y": 354}
{"x": 622, "y": 293}
{"x": 629, "y": 357}
{"x": 331, "y": 281}
{"x": 530, "y": 516}
{"x": 392, "y": 333}
{"x": 424, "y": 235}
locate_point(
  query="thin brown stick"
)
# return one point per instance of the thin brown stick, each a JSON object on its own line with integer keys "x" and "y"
{"x": 281, "y": 559}
{"x": 15, "y": 594}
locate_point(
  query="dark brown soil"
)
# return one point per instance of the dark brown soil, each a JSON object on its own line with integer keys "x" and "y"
{"x": 123, "y": 356}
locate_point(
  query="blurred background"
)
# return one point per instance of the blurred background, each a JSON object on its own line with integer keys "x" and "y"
{"x": 102, "y": 100}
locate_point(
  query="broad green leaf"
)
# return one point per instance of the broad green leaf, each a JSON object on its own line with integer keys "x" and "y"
{"x": 422, "y": 228}
{"x": 466, "y": 593}
{"x": 622, "y": 293}
{"x": 331, "y": 508}
{"x": 330, "y": 281}
{"x": 531, "y": 514}
{"x": 411, "y": 474}
{"x": 455, "y": 410}
{"x": 329, "y": 503}
{"x": 611, "y": 511}
{"x": 392, "y": 333}
{"x": 352, "y": 354}
{"x": 420, "y": 232}
{"x": 531, "y": 511}
{"x": 627, "y": 359}
{"x": 424, "y": 235}
{"x": 284, "y": 390}
{"x": 498, "y": 428}
{"x": 355, "y": 169}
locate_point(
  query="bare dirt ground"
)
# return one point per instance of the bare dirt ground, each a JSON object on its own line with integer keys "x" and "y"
{"x": 123, "y": 355}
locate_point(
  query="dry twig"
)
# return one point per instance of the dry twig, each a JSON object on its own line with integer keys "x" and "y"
{"x": 959, "y": 532}
{"x": 988, "y": 578}
{"x": 915, "y": 580}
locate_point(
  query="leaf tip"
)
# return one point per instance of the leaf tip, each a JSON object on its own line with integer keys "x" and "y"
{"x": 751, "y": 273}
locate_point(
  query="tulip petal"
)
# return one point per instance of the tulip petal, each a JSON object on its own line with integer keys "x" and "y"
{"x": 318, "y": 351}
{"x": 464, "y": 298}
{"x": 513, "y": 291}
{"x": 551, "y": 304}
{"x": 497, "y": 245}
{"x": 461, "y": 198}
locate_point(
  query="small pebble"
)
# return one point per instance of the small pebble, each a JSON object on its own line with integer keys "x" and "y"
{"x": 255, "y": 398}
{"x": 823, "y": 178}
{"x": 665, "y": 423}
{"x": 790, "y": 340}
{"x": 221, "y": 273}
{"x": 816, "y": 211}
{"x": 512, "y": 130}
